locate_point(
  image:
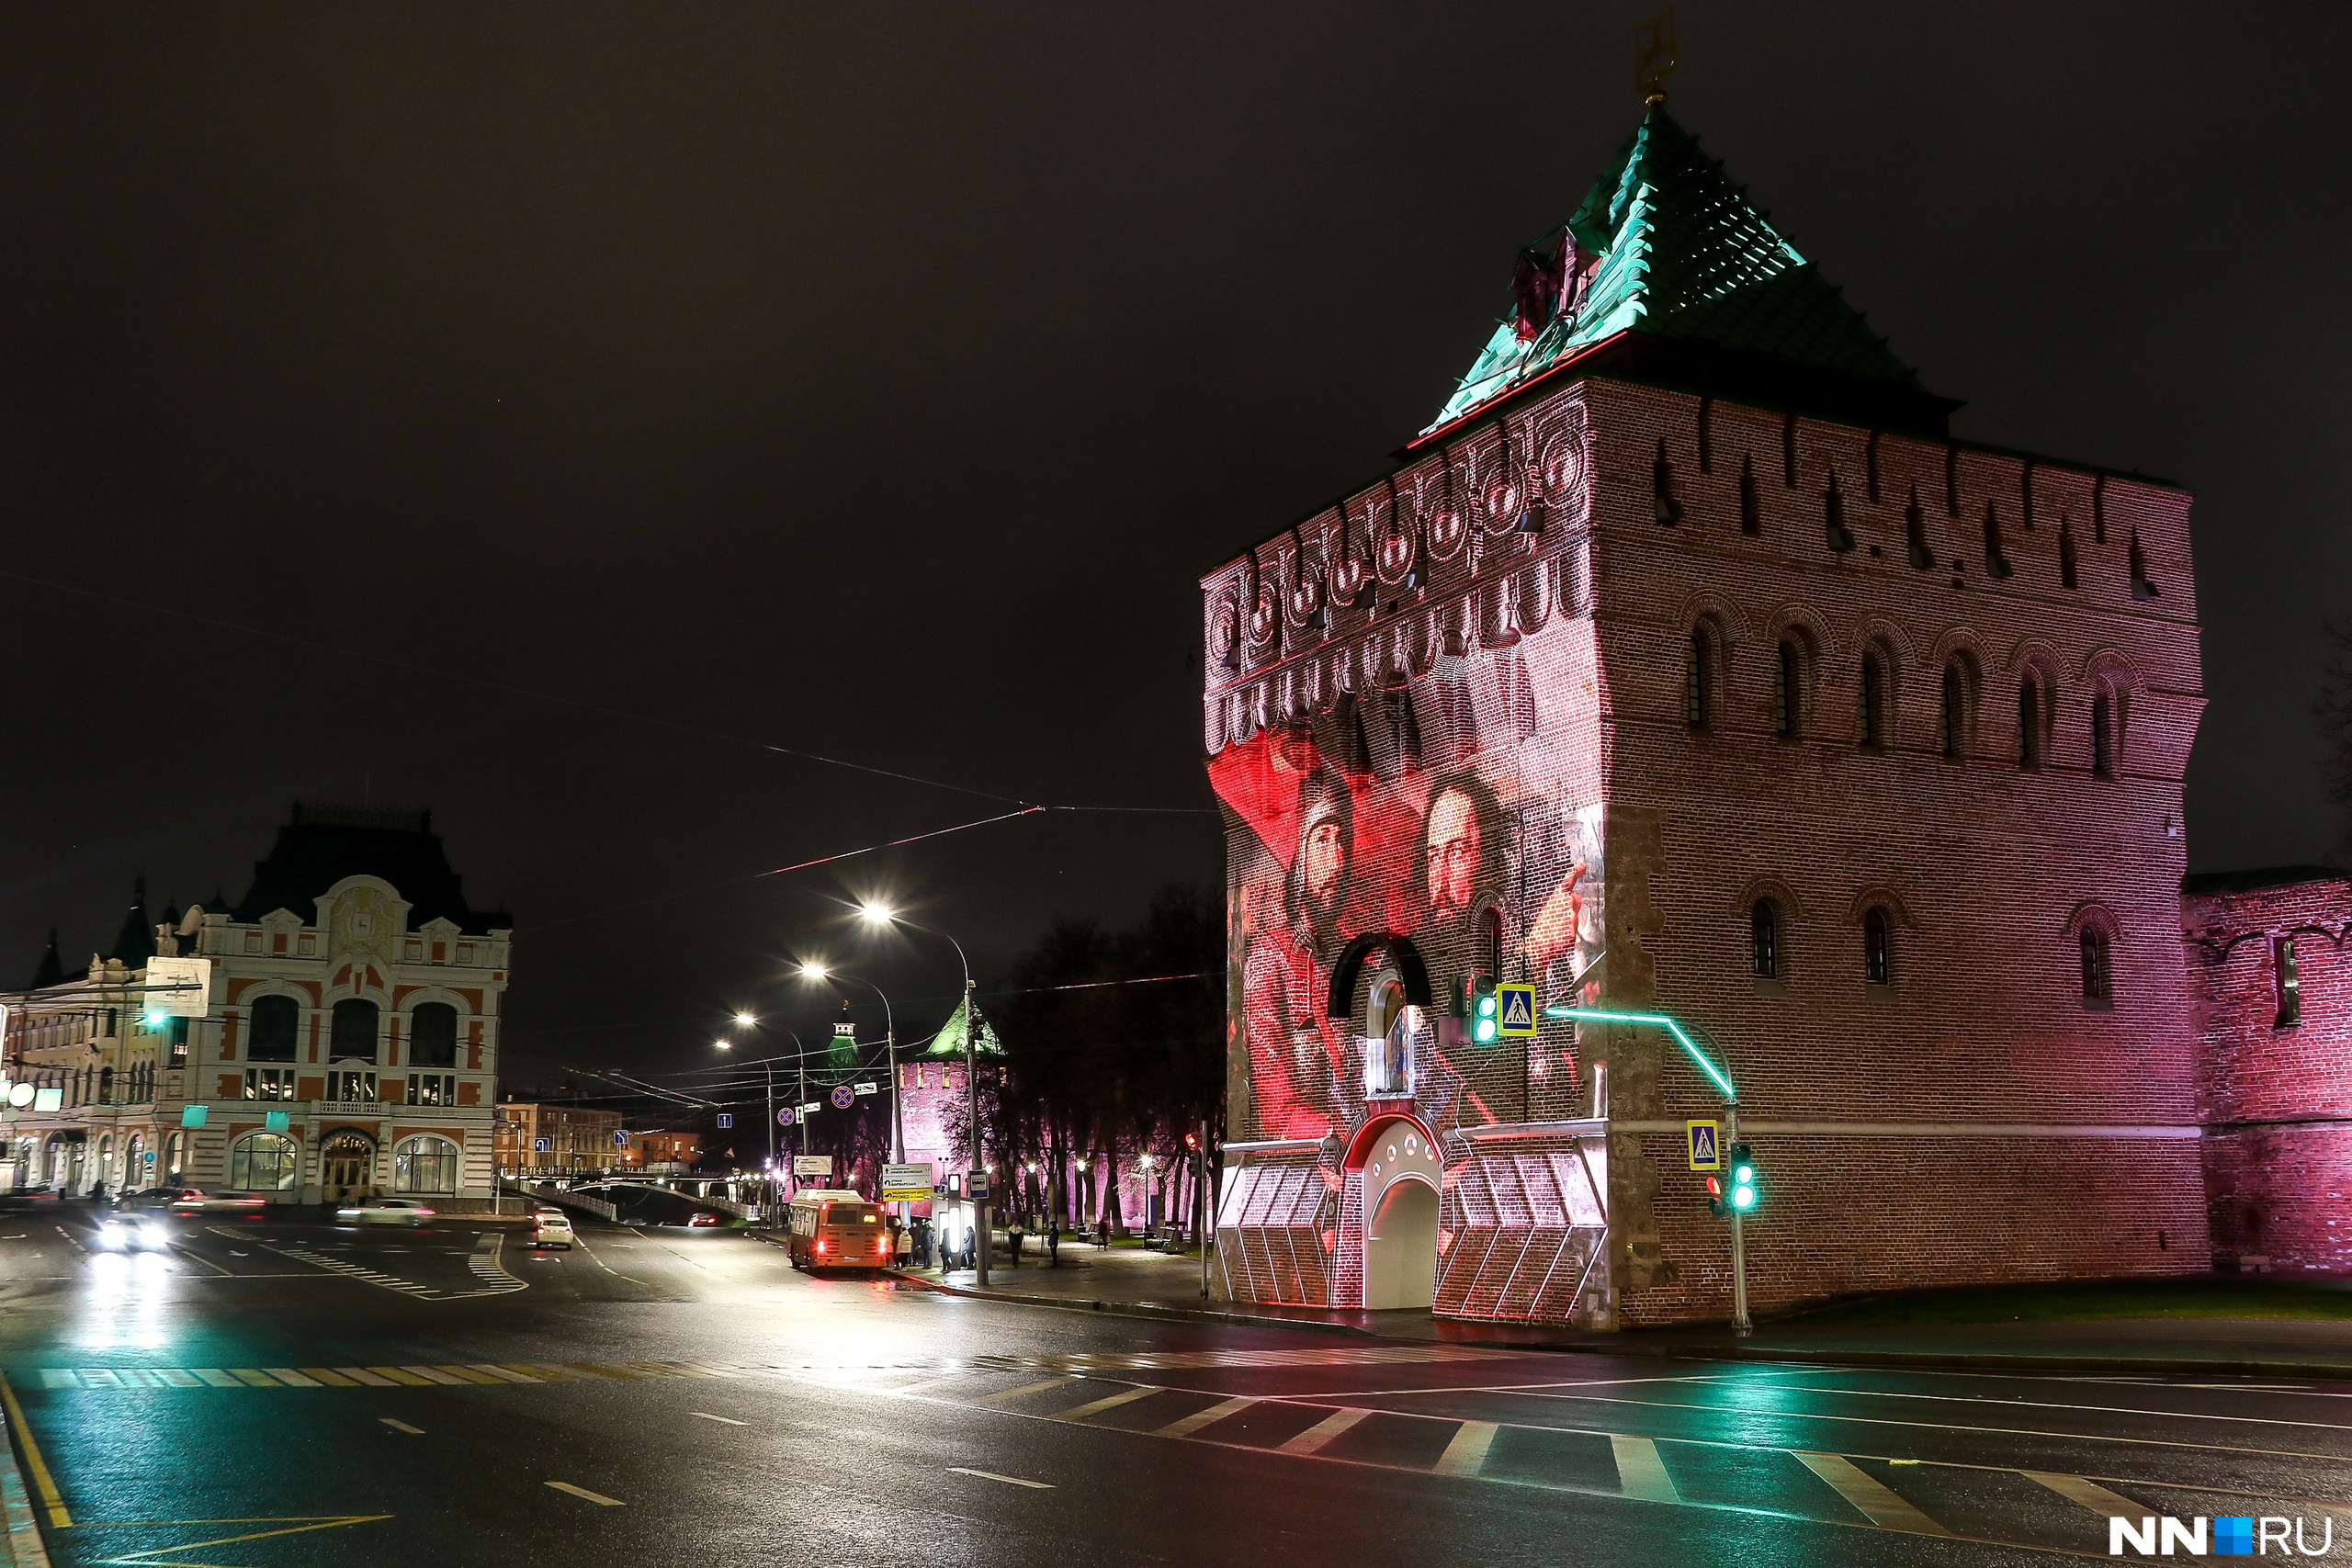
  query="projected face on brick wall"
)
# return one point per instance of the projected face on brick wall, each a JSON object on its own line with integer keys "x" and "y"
{"x": 1463, "y": 866}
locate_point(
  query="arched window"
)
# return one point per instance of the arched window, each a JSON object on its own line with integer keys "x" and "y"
{"x": 1878, "y": 948}
{"x": 2102, "y": 734}
{"x": 1788, "y": 690}
{"x": 425, "y": 1164}
{"x": 1873, "y": 698}
{"x": 2098, "y": 967}
{"x": 1957, "y": 692}
{"x": 264, "y": 1162}
{"x": 1490, "y": 942}
{"x": 1389, "y": 1065}
{"x": 1764, "y": 938}
{"x": 1699, "y": 679}
{"x": 355, "y": 1031}
{"x": 274, "y": 1022}
{"x": 2030, "y": 719}
{"x": 432, "y": 1036}
{"x": 174, "y": 1158}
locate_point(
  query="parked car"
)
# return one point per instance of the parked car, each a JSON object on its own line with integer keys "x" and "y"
{"x": 193, "y": 1199}
{"x": 551, "y": 1228}
{"x": 385, "y": 1212}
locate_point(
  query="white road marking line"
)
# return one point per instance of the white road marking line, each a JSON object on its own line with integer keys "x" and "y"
{"x": 2089, "y": 1493}
{"x": 291, "y": 1377}
{"x": 1641, "y": 1472}
{"x": 2042, "y": 1404}
{"x": 1008, "y": 1480}
{"x": 402, "y": 1427}
{"x": 728, "y": 1419}
{"x": 1466, "y": 1454}
{"x": 75, "y": 1239}
{"x": 1111, "y": 1402}
{"x": 1870, "y": 1496}
{"x": 1026, "y": 1388}
{"x": 1316, "y": 1436}
{"x": 362, "y": 1375}
{"x": 1184, "y": 1426}
{"x": 597, "y": 1498}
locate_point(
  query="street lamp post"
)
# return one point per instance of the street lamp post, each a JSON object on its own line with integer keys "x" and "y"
{"x": 882, "y": 914}
{"x": 767, "y": 1067}
{"x": 890, "y": 1046}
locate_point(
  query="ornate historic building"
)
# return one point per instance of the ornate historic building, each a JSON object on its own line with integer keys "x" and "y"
{"x": 348, "y": 1042}
{"x": 1686, "y": 665}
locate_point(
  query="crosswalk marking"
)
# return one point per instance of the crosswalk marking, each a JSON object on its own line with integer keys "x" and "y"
{"x": 1185, "y": 1427}
{"x": 363, "y": 1376}
{"x": 1342, "y": 1356}
{"x": 402, "y": 1376}
{"x": 331, "y": 1379}
{"x": 1466, "y": 1454}
{"x": 1017, "y": 1392}
{"x": 291, "y": 1377}
{"x": 253, "y": 1377}
{"x": 1315, "y": 1438}
{"x": 1870, "y": 1496}
{"x": 2089, "y": 1493}
{"x": 1641, "y": 1472}
{"x": 1109, "y": 1402}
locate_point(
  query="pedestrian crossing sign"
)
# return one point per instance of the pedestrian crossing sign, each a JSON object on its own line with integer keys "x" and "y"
{"x": 1706, "y": 1144}
{"x": 1516, "y": 1006}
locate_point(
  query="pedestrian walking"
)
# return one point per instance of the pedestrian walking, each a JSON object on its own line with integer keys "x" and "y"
{"x": 1054, "y": 1242}
{"x": 902, "y": 1245}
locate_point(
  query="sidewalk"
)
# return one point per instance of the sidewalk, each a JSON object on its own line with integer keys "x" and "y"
{"x": 24, "y": 1547}
{"x": 1149, "y": 1284}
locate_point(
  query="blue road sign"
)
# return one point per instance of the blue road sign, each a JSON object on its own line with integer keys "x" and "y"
{"x": 843, "y": 1097}
{"x": 620, "y": 1139}
{"x": 724, "y": 1120}
{"x": 1516, "y": 1007}
{"x": 541, "y": 1146}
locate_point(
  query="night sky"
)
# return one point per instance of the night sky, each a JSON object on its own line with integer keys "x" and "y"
{"x": 878, "y": 382}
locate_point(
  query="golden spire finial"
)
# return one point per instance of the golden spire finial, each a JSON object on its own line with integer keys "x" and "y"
{"x": 1653, "y": 59}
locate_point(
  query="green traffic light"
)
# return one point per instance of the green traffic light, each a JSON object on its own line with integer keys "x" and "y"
{"x": 1743, "y": 1198}
{"x": 1744, "y": 1174}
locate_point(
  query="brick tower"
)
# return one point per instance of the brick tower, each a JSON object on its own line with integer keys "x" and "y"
{"x": 1685, "y": 665}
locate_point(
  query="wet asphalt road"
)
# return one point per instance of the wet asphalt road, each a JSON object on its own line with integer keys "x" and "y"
{"x": 281, "y": 1392}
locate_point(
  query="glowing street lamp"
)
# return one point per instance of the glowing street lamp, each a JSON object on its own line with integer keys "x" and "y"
{"x": 722, "y": 1044}
{"x": 745, "y": 1021}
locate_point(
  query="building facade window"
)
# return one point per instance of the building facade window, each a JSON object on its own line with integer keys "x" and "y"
{"x": 425, "y": 1164}
{"x": 2289, "y": 982}
{"x": 2102, "y": 735}
{"x": 432, "y": 1089}
{"x": 1388, "y": 1067}
{"x": 2030, "y": 720}
{"x": 1873, "y": 696}
{"x": 1670, "y": 510}
{"x": 1955, "y": 711}
{"x": 1878, "y": 948}
{"x": 1699, "y": 679}
{"x": 350, "y": 1085}
{"x": 275, "y": 1023}
{"x": 432, "y": 1036}
{"x": 1751, "y": 510}
{"x": 269, "y": 1083}
{"x": 354, "y": 1029}
{"x": 1764, "y": 938}
{"x": 1788, "y": 690}
{"x": 264, "y": 1162}
{"x": 2098, "y": 967}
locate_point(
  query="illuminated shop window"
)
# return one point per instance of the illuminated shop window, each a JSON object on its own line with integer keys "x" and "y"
{"x": 2289, "y": 982}
{"x": 264, "y": 1162}
{"x": 424, "y": 1164}
{"x": 1764, "y": 938}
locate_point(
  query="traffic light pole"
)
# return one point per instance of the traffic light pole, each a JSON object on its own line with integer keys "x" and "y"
{"x": 1740, "y": 1324}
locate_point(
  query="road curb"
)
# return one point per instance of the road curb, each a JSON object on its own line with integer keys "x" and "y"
{"x": 26, "y": 1548}
{"x": 1924, "y": 1360}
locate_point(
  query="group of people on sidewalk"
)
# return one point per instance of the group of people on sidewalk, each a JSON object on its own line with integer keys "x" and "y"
{"x": 919, "y": 1244}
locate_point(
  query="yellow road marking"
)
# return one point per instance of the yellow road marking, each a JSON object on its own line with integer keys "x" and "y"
{"x": 1315, "y": 1436}
{"x": 1467, "y": 1455}
{"x": 1641, "y": 1472}
{"x": 398, "y": 1376}
{"x": 1024, "y": 1388}
{"x": 154, "y": 1555}
{"x": 1870, "y": 1496}
{"x": 332, "y": 1379}
{"x": 253, "y": 1377}
{"x": 58, "y": 1517}
{"x": 468, "y": 1374}
{"x": 2089, "y": 1493}
{"x": 597, "y": 1498}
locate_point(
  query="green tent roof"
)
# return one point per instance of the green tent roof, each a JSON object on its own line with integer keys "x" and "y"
{"x": 1670, "y": 246}
{"x": 949, "y": 1041}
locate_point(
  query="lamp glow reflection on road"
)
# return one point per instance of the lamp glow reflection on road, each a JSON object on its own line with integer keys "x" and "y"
{"x": 133, "y": 1291}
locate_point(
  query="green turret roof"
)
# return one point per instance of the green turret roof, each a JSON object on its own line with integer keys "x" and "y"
{"x": 949, "y": 1041}
{"x": 1667, "y": 244}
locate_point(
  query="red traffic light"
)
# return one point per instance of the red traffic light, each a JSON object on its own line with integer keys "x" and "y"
{"x": 1714, "y": 1187}
{"x": 1192, "y": 1142}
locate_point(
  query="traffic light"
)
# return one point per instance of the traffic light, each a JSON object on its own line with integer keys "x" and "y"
{"x": 1744, "y": 1190}
{"x": 1480, "y": 1018}
{"x": 1715, "y": 1196}
{"x": 1191, "y": 1142}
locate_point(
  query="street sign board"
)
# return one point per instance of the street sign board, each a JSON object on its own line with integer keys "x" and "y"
{"x": 842, "y": 1097}
{"x": 21, "y": 1095}
{"x": 190, "y": 1115}
{"x": 906, "y": 1183}
{"x": 975, "y": 1186}
{"x": 620, "y": 1138}
{"x": 811, "y": 1108}
{"x": 179, "y": 987}
{"x": 541, "y": 1146}
{"x": 868, "y": 1087}
{"x": 812, "y": 1164}
{"x": 1705, "y": 1143}
{"x": 276, "y": 1121}
{"x": 725, "y": 1121}
{"x": 1515, "y": 1010}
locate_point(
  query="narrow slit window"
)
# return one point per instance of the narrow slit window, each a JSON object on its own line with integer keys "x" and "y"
{"x": 1669, "y": 510}
{"x": 1787, "y": 691}
{"x": 1878, "y": 958}
{"x": 1873, "y": 701}
{"x": 1764, "y": 938}
{"x": 1915, "y": 535}
{"x": 2098, "y": 967}
{"x": 1751, "y": 510}
{"x": 2289, "y": 983}
{"x": 2030, "y": 721}
{"x": 1833, "y": 517}
{"x": 1997, "y": 560}
{"x": 1697, "y": 669}
{"x": 2102, "y": 735}
{"x": 1955, "y": 727}
{"x": 2142, "y": 587}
